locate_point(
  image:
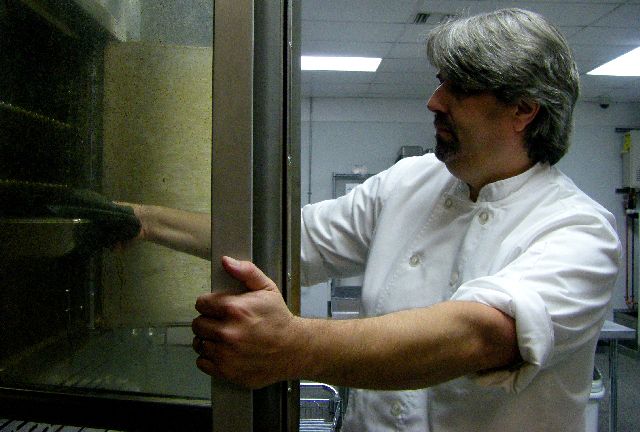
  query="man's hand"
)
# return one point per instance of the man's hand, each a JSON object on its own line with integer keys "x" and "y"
{"x": 248, "y": 339}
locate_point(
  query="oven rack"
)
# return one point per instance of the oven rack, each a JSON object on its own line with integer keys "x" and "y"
{"x": 43, "y": 237}
{"x": 32, "y": 115}
{"x": 137, "y": 361}
{"x": 7, "y": 425}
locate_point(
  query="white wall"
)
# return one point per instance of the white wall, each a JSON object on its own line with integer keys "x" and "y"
{"x": 346, "y": 132}
{"x": 340, "y": 133}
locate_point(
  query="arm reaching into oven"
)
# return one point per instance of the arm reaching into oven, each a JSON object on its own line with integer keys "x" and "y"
{"x": 110, "y": 223}
{"x": 181, "y": 230}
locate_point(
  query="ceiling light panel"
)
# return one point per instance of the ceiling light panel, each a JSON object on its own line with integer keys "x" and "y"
{"x": 626, "y": 65}
{"x": 349, "y": 64}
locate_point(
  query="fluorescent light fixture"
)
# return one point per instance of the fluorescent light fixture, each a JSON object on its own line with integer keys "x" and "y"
{"x": 351, "y": 64}
{"x": 626, "y": 65}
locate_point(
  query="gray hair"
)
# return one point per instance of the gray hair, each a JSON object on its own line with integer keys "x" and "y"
{"x": 516, "y": 55}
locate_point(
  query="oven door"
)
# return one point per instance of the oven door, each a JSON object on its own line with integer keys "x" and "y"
{"x": 174, "y": 103}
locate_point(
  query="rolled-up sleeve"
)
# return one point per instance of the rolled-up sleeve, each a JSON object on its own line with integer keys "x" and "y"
{"x": 557, "y": 289}
{"x": 336, "y": 234}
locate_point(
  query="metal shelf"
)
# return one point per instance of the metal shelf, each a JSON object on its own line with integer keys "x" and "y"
{"x": 42, "y": 237}
{"x": 36, "y": 116}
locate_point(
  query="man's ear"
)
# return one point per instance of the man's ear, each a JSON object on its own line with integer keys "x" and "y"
{"x": 525, "y": 112}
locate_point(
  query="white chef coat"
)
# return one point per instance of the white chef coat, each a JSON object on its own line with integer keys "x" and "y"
{"x": 533, "y": 246}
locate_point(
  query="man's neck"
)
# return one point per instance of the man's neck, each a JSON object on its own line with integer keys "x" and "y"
{"x": 476, "y": 187}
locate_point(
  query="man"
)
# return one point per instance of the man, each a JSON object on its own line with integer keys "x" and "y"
{"x": 487, "y": 273}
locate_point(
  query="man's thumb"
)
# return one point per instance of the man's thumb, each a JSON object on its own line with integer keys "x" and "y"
{"x": 247, "y": 273}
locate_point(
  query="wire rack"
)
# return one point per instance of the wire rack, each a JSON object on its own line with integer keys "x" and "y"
{"x": 320, "y": 407}
{"x": 320, "y": 411}
{"x": 24, "y": 426}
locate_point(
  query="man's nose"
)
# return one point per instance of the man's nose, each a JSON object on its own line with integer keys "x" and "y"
{"x": 436, "y": 101}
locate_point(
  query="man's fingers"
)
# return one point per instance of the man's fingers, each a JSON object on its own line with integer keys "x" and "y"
{"x": 198, "y": 345}
{"x": 208, "y": 329}
{"x": 247, "y": 273}
{"x": 212, "y": 305}
{"x": 208, "y": 367}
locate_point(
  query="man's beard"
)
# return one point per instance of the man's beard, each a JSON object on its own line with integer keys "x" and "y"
{"x": 445, "y": 148}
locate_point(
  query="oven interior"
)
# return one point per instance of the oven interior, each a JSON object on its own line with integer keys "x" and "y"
{"x": 67, "y": 324}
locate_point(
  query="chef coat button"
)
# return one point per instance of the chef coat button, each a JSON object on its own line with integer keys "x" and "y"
{"x": 414, "y": 260}
{"x": 448, "y": 203}
{"x": 484, "y": 217}
{"x": 396, "y": 409}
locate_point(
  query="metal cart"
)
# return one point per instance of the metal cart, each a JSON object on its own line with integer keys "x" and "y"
{"x": 320, "y": 411}
{"x": 320, "y": 407}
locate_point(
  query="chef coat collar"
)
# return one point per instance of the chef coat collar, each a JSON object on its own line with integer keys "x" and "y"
{"x": 500, "y": 189}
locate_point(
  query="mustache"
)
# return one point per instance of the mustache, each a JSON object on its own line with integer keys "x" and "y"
{"x": 441, "y": 121}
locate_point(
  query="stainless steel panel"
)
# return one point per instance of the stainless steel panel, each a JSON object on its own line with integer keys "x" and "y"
{"x": 255, "y": 195}
{"x": 276, "y": 106}
{"x": 232, "y": 168}
{"x": 292, "y": 291}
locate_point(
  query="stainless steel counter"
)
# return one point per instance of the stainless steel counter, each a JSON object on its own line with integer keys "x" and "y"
{"x": 613, "y": 332}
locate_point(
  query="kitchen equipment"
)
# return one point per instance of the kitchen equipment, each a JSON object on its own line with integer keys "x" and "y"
{"x": 116, "y": 99}
{"x": 50, "y": 220}
{"x": 320, "y": 407}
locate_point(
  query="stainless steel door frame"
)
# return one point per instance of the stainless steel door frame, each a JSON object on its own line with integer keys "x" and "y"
{"x": 276, "y": 172}
{"x": 255, "y": 195}
{"x": 232, "y": 173}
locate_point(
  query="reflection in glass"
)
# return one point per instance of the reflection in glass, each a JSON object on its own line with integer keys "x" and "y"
{"x": 114, "y": 97}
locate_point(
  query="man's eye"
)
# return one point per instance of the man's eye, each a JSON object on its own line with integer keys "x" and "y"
{"x": 458, "y": 89}
{"x": 462, "y": 91}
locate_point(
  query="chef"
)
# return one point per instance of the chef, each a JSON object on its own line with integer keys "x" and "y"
{"x": 487, "y": 272}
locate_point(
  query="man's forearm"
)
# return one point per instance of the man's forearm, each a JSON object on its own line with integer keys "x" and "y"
{"x": 408, "y": 349}
{"x": 180, "y": 230}
{"x": 252, "y": 339}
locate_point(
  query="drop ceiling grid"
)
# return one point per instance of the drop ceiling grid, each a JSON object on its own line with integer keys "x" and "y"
{"x": 597, "y": 31}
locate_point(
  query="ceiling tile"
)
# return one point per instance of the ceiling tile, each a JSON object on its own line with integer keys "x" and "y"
{"x": 405, "y": 65}
{"x": 564, "y": 14}
{"x": 396, "y": 11}
{"x": 401, "y": 90}
{"x": 413, "y": 78}
{"x": 351, "y": 32}
{"x": 415, "y": 33}
{"x": 624, "y": 16}
{"x": 597, "y": 52}
{"x": 338, "y": 77}
{"x": 589, "y": 57}
{"x": 450, "y": 7}
{"x": 356, "y": 49}
{"x": 607, "y": 36}
{"x": 561, "y": 13}
{"x": 407, "y": 50}
{"x": 338, "y": 90}
{"x": 597, "y": 30}
{"x": 568, "y": 32}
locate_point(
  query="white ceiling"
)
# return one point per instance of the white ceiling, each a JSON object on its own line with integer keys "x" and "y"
{"x": 597, "y": 30}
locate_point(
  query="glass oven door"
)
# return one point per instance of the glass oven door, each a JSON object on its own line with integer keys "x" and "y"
{"x": 129, "y": 99}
